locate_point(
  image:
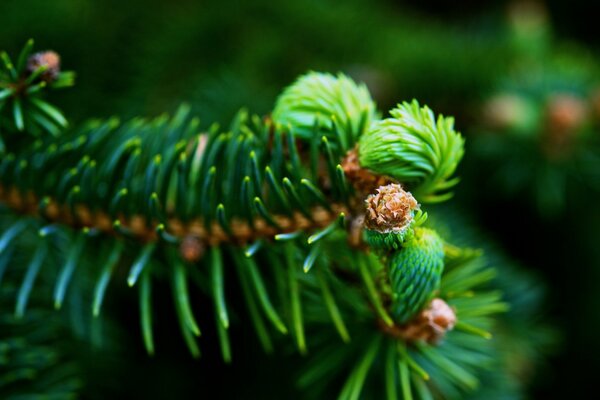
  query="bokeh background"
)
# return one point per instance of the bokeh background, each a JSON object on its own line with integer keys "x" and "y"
{"x": 145, "y": 57}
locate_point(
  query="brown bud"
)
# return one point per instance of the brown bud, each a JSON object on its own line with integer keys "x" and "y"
{"x": 138, "y": 225}
{"x": 440, "y": 319}
{"x": 50, "y": 59}
{"x": 430, "y": 325}
{"x": 390, "y": 209}
{"x": 565, "y": 115}
{"x": 191, "y": 248}
{"x": 362, "y": 179}
{"x": 566, "y": 112}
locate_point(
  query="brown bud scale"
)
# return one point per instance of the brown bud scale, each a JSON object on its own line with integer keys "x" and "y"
{"x": 391, "y": 209}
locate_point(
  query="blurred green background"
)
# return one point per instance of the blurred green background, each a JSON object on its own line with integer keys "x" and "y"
{"x": 145, "y": 57}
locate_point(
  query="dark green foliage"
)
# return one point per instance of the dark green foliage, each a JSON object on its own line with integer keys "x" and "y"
{"x": 385, "y": 367}
{"x": 179, "y": 174}
{"x": 22, "y": 85}
{"x": 268, "y": 201}
{"x": 33, "y": 363}
{"x": 536, "y": 141}
{"x": 525, "y": 334}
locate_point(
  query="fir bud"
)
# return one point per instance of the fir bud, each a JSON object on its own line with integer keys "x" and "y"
{"x": 48, "y": 59}
{"x": 191, "y": 248}
{"x": 430, "y": 325}
{"x": 566, "y": 116}
{"x": 391, "y": 209}
{"x": 415, "y": 273}
{"x": 414, "y": 148}
{"x": 439, "y": 318}
{"x": 566, "y": 113}
{"x": 327, "y": 100}
{"x": 389, "y": 216}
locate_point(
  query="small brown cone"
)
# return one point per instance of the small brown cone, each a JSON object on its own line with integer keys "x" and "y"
{"x": 430, "y": 325}
{"x": 50, "y": 59}
{"x": 390, "y": 209}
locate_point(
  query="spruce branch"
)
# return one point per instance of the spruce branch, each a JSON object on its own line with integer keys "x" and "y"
{"x": 273, "y": 200}
{"x": 22, "y": 86}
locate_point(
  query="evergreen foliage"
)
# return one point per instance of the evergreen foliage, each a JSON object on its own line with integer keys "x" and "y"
{"x": 414, "y": 148}
{"x": 337, "y": 102}
{"x": 22, "y": 85}
{"x": 269, "y": 201}
{"x": 537, "y": 136}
